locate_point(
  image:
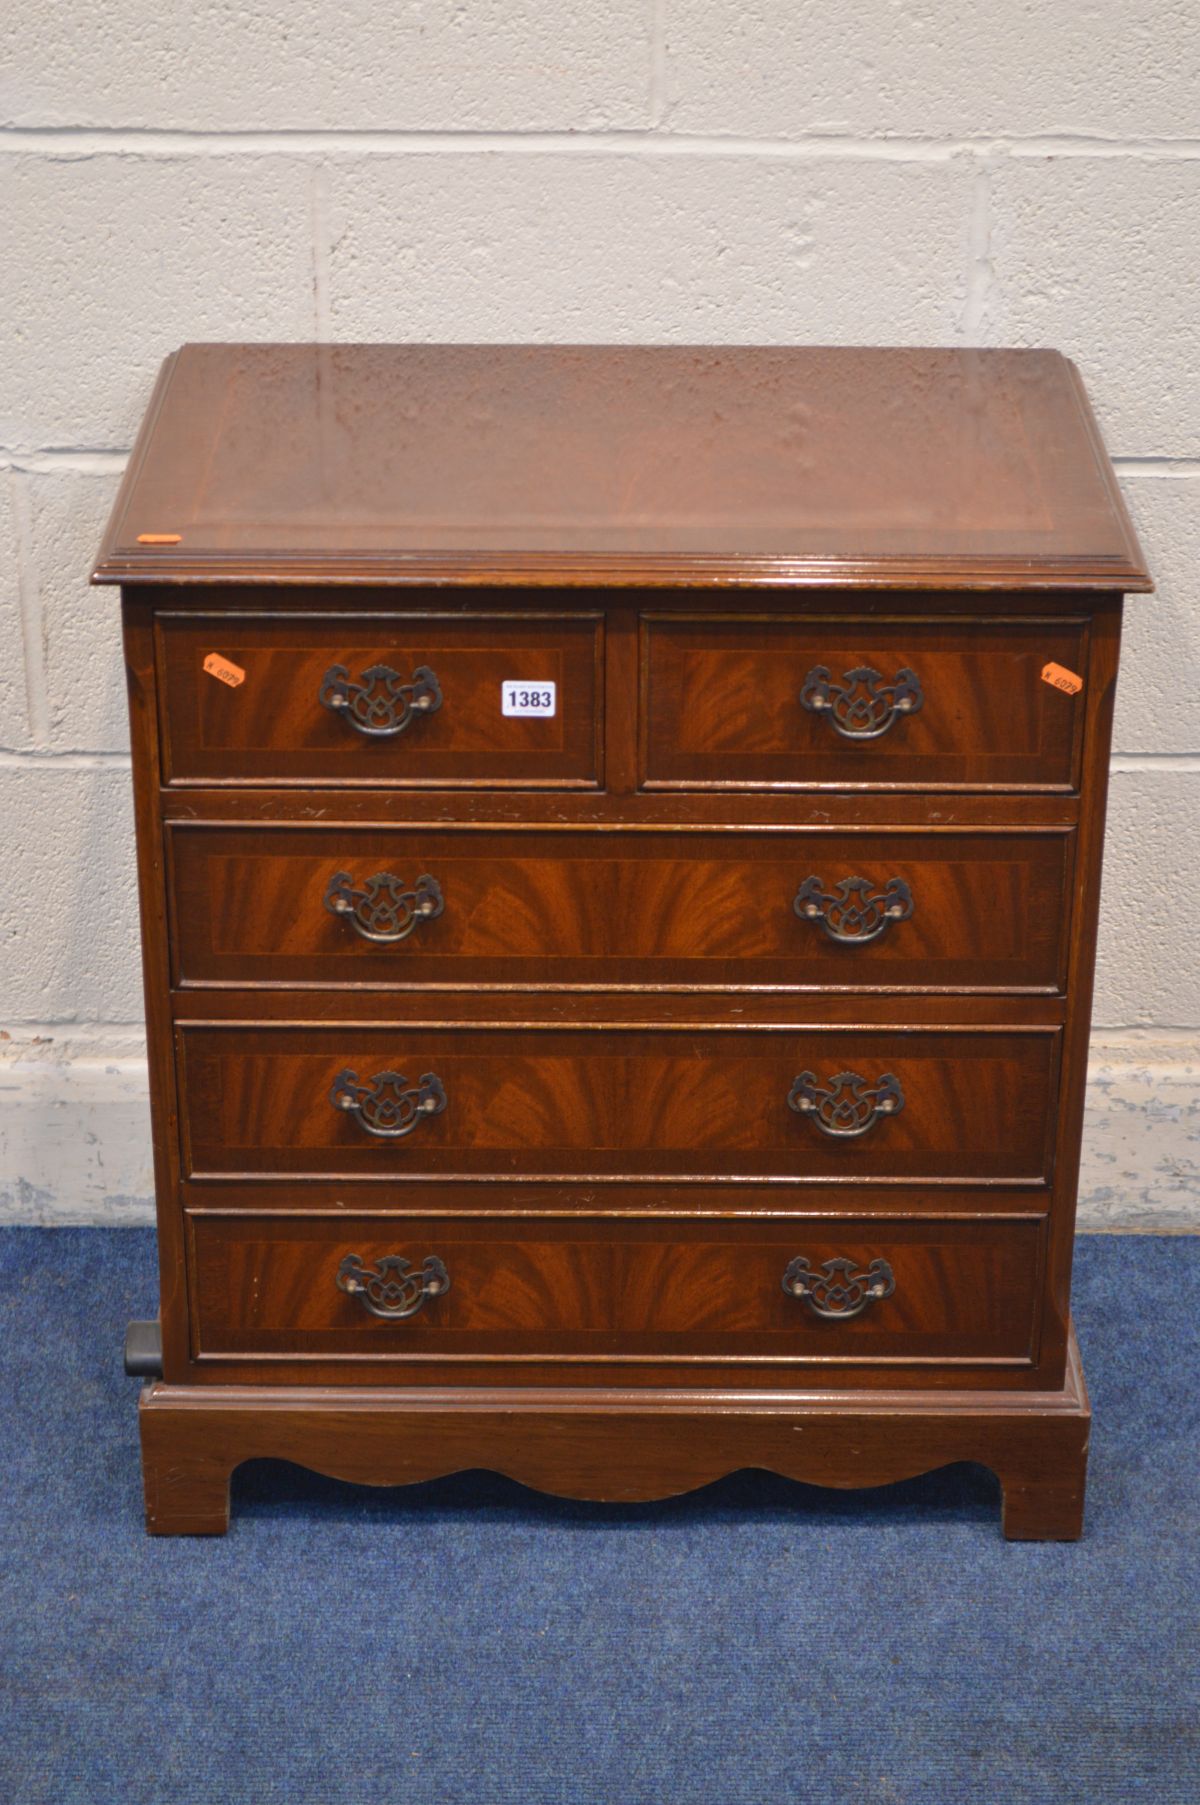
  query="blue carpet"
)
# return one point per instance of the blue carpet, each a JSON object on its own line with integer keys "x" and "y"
{"x": 466, "y": 1640}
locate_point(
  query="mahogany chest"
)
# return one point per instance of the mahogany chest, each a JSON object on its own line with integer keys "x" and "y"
{"x": 619, "y": 839}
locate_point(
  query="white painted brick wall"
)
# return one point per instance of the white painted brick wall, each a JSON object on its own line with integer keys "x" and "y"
{"x": 112, "y": 258}
{"x": 1097, "y": 255}
{"x": 629, "y": 246}
{"x": 904, "y": 171}
{"x": 1147, "y": 972}
{"x": 418, "y": 65}
{"x": 1158, "y": 697}
{"x": 68, "y": 903}
{"x": 932, "y": 68}
{"x": 14, "y": 707}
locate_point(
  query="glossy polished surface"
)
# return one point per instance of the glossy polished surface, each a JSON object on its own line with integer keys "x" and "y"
{"x": 986, "y": 911}
{"x": 584, "y": 1289}
{"x": 833, "y": 640}
{"x": 917, "y": 468}
{"x": 722, "y": 703}
{"x": 273, "y": 725}
{"x": 683, "y": 1104}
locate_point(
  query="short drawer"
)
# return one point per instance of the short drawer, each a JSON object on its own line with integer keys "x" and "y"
{"x": 813, "y": 703}
{"x": 894, "y": 909}
{"x": 398, "y": 699}
{"x": 574, "y": 1290}
{"x": 789, "y": 1103}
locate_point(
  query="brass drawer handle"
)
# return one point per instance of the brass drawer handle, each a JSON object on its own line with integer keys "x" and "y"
{"x": 862, "y": 706}
{"x": 848, "y": 1106}
{"x": 382, "y": 908}
{"x": 391, "y": 1289}
{"x": 838, "y": 1291}
{"x": 380, "y": 705}
{"x": 387, "y": 1105}
{"x": 854, "y": 912}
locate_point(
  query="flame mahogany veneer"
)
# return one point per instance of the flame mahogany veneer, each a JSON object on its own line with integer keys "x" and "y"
{"x": 686, "y": 1073}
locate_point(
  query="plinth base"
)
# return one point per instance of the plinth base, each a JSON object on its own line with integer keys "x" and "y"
{"x": 616, "y": 1446}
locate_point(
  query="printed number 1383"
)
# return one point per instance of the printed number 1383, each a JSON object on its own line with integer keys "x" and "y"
{"x": 524, "y": 698}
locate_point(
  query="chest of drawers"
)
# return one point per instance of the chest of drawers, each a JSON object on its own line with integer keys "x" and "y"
{"x": 619, "y": 837}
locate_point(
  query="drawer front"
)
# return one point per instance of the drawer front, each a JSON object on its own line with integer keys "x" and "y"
{"x": 453, "y": 1288}
{"x": 395, "y": 699}
{"x": 795, "y": 1104}
{"x": 900, "y": 910}
{"x": 784, "y": 704}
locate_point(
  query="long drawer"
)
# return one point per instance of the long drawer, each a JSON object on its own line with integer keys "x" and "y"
{"x": 407, "y": 700}
{"x": 894, "y": 909}
{"x": 845, "y": 703}
{"x": 327, "y": 1100}
{"x": 572, "y": 1290}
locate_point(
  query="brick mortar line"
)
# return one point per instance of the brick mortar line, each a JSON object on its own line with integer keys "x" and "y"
{"x": 44, "y": 758}
{"x": 657, "y": 95}
{"x": 980, "y": 277}
{"x": 28, "y": 461}
{"x": 1157, "y": 466}
{"x": 165, "y": 141}
{"x": 1127, "y": 764}
{"x": 30, "y": 615}
{"x": 321, "y": 250}
{"x": 78, "y": 1033}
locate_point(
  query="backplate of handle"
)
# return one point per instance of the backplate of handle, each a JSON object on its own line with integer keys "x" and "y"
{"x": 388, "y": 1105}
{"x": 862, "y": 706}
{"x": 381, "y": 704}
{"x": 393, "y": 1288}
{"x": 855, "y": 911}
{"x": 839, "y": 1290}
{"x": 384, "y": 908}
{"x": 847, "y": 1106}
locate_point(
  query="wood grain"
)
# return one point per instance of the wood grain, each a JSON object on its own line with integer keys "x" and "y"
{"x": 531, "y": 908}
{"x": 153, "y": 907}
{"x": 721, "y": 703}
{"x": 633, "y": 1294}
{"x": 273, "y": 727}
{"x": 616, "y": 1444}
{"x": 567, "y": 464}
{"x": 618, "y": 994}
{"x": 979, "y": 1107}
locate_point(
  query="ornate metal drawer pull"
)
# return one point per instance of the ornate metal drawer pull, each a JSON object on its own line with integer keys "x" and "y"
{"x": 862, "y": 706}
{"x": 387, "y": 1105}
{"x": 391, "y": 1288}
{"x": 848, "y": 1106}
{"x": 380, "y": 704}
{"x": 381, "y": 908}
{"x": 854, "y": 912}
{"x": 838, "y": 1292}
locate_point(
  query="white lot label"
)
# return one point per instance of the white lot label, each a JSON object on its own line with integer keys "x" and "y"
{"x": 528, "y": 698}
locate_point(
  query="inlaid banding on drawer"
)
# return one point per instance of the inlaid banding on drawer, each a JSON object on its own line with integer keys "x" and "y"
{"x": 577, "y": 1289}
{"x": 845, "y": 703}
{"x": 731, "y": 910}
{"x": 403, "y": 699}
{"x": 325, "y": 1101}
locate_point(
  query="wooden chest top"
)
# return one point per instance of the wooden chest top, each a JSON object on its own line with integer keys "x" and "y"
{"x": 583, "y": 465}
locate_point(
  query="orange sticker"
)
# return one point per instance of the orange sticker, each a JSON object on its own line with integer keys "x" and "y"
{"x": 159, "y": 538}
{"x": 219, "y": 667}
{"x": 1062, "y": 678}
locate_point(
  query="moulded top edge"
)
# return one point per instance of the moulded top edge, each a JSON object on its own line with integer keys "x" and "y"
{"x": 718, "y": 466}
